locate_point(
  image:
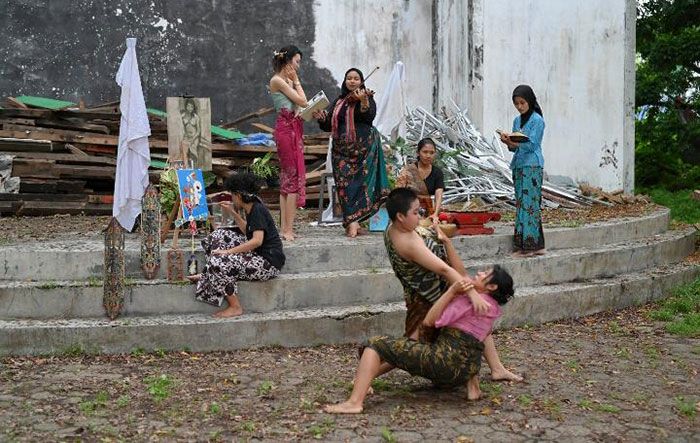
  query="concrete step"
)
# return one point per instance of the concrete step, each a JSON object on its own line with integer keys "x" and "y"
{"x": 306, "y": 327}
{"x": 320, "y": 252}
{"x": 78, "y": 299}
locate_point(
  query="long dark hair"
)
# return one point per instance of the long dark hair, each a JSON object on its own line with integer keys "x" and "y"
{"x": 344, "y": 89}
{"x": 526, "y": 93}
{"x": 284, "y": 56}
{"x": 423, "y": 142}
{"x": 244, "y": 183}
{"x": 504, "y": 282}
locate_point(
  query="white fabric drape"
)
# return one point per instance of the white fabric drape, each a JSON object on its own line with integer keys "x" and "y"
{"x": 390, "y": 121}
{"x": 133, "y": 155}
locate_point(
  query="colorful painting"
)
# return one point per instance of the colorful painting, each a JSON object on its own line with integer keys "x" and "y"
{"x": 193, "y": 196}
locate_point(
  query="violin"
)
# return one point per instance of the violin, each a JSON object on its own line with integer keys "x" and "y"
{"x": 352, "y": 98}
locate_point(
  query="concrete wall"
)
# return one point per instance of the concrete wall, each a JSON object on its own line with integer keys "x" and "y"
{"x": 365, "y": 34}
{"x": 576, "y": 55}
{"x": 71, "y": 49}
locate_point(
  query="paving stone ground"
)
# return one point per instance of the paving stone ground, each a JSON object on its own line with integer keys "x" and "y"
{"x": 611, "y": 377}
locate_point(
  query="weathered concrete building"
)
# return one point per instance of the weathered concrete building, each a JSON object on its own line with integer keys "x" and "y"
{"x": 577, "y": 55}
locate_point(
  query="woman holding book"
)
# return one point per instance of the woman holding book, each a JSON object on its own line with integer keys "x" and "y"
{"x": 359, "y": 170}
{"x": 527, "y": 166}
{"x": 287, "y": 95}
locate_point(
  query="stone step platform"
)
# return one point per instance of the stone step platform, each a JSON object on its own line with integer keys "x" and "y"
{"x": 307, "y": 327}
{"x": 78, "y": 299}
{"x": 324, "y": 251}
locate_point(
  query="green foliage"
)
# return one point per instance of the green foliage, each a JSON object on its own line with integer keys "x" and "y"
{"x": 686, "y": 407}
{"x": 159, "y": 387}
{"x": 681, "y": 311}
{"x": 262, "y": 167}
{"x": 387, "y": 435}
{"x": 265, "y": 388}
{"x": 683, "y": 207}
{"x": 668, "y": 85}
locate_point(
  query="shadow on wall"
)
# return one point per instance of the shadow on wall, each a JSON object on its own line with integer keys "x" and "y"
{"x": 223, "y": 50}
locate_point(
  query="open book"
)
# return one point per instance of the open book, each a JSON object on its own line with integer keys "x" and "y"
{"x": 317, "y": 102}
{"x": 517, "y": 137}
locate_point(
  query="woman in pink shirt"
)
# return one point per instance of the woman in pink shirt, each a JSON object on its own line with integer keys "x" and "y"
{"x": 454, "y": 358}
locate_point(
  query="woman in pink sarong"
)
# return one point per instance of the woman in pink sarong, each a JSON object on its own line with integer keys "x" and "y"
{"x": 287, "y": 94}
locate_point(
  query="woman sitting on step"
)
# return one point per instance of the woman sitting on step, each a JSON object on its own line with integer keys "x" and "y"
{"x": 232, "y": 255}
{"x": 454, "y": 358}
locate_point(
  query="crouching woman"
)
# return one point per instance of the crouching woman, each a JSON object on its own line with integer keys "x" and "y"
{"x": 251, "y": 252}
{"x": 454, "y": 358}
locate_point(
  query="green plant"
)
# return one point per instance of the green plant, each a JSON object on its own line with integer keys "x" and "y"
{"x": 318, "y": 431}
{"x": 265, "y": 388}
{"x": 387, "y": 435}
{"x": 525, "y": 400}
{"x": 248, "y": 426}
{"x": 683, "y": 208}
{"x": 262, "y": 167}
{"x": 686, "y": 407}
{"x": 214, "y": 408}
{"x": 681, "y": 311}
{"x": 123, "y": 401}
{"x": 159, "y": 387}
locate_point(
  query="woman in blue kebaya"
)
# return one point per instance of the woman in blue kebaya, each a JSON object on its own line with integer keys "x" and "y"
{"x": 527, "y": 166}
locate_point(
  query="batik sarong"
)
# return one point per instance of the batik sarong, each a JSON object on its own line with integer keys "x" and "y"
{"x": 289, "y": 137}
{"x": 528, "y": 216}
{"x": 222, "y": 273}
{"x": 450, "y": 361}
{"x": 359, "y": 172}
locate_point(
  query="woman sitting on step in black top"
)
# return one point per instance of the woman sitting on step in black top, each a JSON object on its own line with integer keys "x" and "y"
{"x": 232, "y": 255}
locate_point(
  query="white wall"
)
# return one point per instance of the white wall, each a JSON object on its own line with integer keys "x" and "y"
{"x": 573, "y": 54}
{"x": 578, "y": 55}
{"x": 364, "y": 34}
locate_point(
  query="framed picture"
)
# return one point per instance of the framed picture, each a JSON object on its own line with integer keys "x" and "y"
{"x": 189, "y": 131}
{"x": 193, "y": 196}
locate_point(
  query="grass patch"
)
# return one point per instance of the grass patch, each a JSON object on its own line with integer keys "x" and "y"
{"x": 265, "y": 388}
{"x": 686, "y": 407}
{"x": 159, "y": 387}
{"x": 318, "y": 431}
{"x": 48, "y": 285}
{"x": 683, "y": 207}
{"x": 387, "y": 435}
{"x": 100, "y": 401}
{"x": 525, "y": 400}
{"x": 681, "y": 311}
{"x": 604, "y": 407}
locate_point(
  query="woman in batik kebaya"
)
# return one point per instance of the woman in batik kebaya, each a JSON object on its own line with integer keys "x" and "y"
{"x": 359, "y": 170}
{"x": 527, "y": 166}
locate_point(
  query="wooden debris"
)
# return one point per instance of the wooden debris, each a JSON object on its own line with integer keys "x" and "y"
{"x": 64, "y": 154}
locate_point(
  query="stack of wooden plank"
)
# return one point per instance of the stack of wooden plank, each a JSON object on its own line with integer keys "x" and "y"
{"x": 64, "y": 154}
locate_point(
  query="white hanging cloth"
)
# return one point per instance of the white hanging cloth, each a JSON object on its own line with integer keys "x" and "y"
{"x": 390, "y": 120}
{"x": 133, "y": 155}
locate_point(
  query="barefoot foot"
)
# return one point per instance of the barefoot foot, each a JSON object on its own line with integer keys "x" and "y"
{"x": 473, "y": 389}
{"x": 194, "y": 278}
{"x": 540, "y": 252}
{"x": 505, "y": 375}
{"x": 343, "y": 408}
{"x": 228, "y": 312}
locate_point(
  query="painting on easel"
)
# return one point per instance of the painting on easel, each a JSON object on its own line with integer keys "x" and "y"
{"x": 193, "y": 196}
{"x": 189, "y": 131}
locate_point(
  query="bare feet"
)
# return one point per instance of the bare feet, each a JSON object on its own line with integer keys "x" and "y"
{"x": 229, "y": 312}
{"x": 343, "y": 408}
{"x": 473, "y": 389}
{"x": 504, "y": 374}
{"x": 522, "y": 254}
{"x": 288, "y": 236}
{"x": 351, "y": 231}
{"x": 542, "y": 251}
{"x": 194, "y": 278}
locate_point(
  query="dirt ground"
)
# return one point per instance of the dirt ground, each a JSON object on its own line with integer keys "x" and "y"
{"x": 61, "y": 227}
{"x": 612, "y": 377}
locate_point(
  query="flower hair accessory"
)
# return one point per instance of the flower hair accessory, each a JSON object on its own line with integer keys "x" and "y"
{"x": 280, "y": 54}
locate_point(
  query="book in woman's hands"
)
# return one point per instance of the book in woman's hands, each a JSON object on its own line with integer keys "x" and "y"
{"x": 317, "y": 103}
{"x": 517, "y": 137}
